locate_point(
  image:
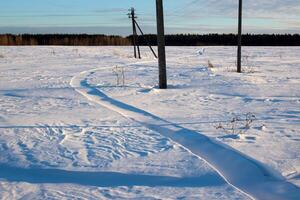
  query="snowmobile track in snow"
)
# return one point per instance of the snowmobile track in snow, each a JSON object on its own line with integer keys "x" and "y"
{"x": 242, "y": 172}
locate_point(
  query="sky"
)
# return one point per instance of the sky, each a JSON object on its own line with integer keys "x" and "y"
{"x": 181, "y": 16}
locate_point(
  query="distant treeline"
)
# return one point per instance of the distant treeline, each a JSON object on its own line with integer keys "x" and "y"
{"x": 225, "y": 39}
{"x": 63, "y": 39}
{"x": 171, "y": 40}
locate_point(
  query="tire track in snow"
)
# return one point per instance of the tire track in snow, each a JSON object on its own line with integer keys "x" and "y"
{"x": 239, "y": 170}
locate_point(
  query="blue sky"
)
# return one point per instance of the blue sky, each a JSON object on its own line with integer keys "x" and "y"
{"x": 181, "y": 16}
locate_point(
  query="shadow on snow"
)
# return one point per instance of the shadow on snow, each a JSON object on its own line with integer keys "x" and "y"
{"x": 240, "y": 170}
{"x": 103, "y": 179}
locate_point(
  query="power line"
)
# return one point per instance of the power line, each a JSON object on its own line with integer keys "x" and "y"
{"x": 54, "y": 15}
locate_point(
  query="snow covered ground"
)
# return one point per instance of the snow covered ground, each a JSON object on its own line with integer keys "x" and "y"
{"x": 69, "y": 131}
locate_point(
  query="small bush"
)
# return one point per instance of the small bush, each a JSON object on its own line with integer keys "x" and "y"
{"x": 247, "y": 65}
{"x": 210, "y": 65}
{"x": 237, "y": 125}
{"x": 120, "y": 75}
{"x": 201, "y": 51}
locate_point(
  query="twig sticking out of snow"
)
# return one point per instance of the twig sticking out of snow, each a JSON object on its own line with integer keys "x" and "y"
{"x": 237, "y": 125}
{"x": 201, "y": 51}
{"x": 210, "y": 65}
{"x": 120, "y": 75}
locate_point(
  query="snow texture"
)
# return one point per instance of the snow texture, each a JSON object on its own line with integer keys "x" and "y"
{"x": 69, "y": 131}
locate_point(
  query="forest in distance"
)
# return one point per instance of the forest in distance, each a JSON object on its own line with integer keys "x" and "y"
{"x": 150, "y": 39}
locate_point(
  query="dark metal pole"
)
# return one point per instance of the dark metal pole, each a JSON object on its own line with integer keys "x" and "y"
{"x": 239, "y": 51}
{"x": 161, "y": 45}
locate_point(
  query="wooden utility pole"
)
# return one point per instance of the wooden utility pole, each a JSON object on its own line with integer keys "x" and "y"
{"x": 134, "y": 34}
{"x": 239, "y": 51}
{"x": 161, "y": 45}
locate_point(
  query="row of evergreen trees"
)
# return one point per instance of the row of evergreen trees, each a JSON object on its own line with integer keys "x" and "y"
{"x": 225, "y": 39}
{"x": 171, "y": 40}
{"x": 63, "y": 39}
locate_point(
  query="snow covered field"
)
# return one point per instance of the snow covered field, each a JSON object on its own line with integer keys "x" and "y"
{"x": 69, "y": 131}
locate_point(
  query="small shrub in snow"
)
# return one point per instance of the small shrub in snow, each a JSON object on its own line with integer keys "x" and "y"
{"x": 237, "y": 125}
{"x": 210, "y": 65}
{"x": 249, "y": 119}
{"x": 201, "y": 51}
{"x": 248, "y": 66}
{"x": 120, "y": 75}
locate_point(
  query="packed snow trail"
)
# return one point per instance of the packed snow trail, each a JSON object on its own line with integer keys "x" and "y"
{"x": 239, "y": 170}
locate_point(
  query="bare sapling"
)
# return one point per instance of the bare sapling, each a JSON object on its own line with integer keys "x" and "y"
{"x": 210, "y": 65}
{"x": 119, "y": 72}
{"x": 237, "y": 125}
